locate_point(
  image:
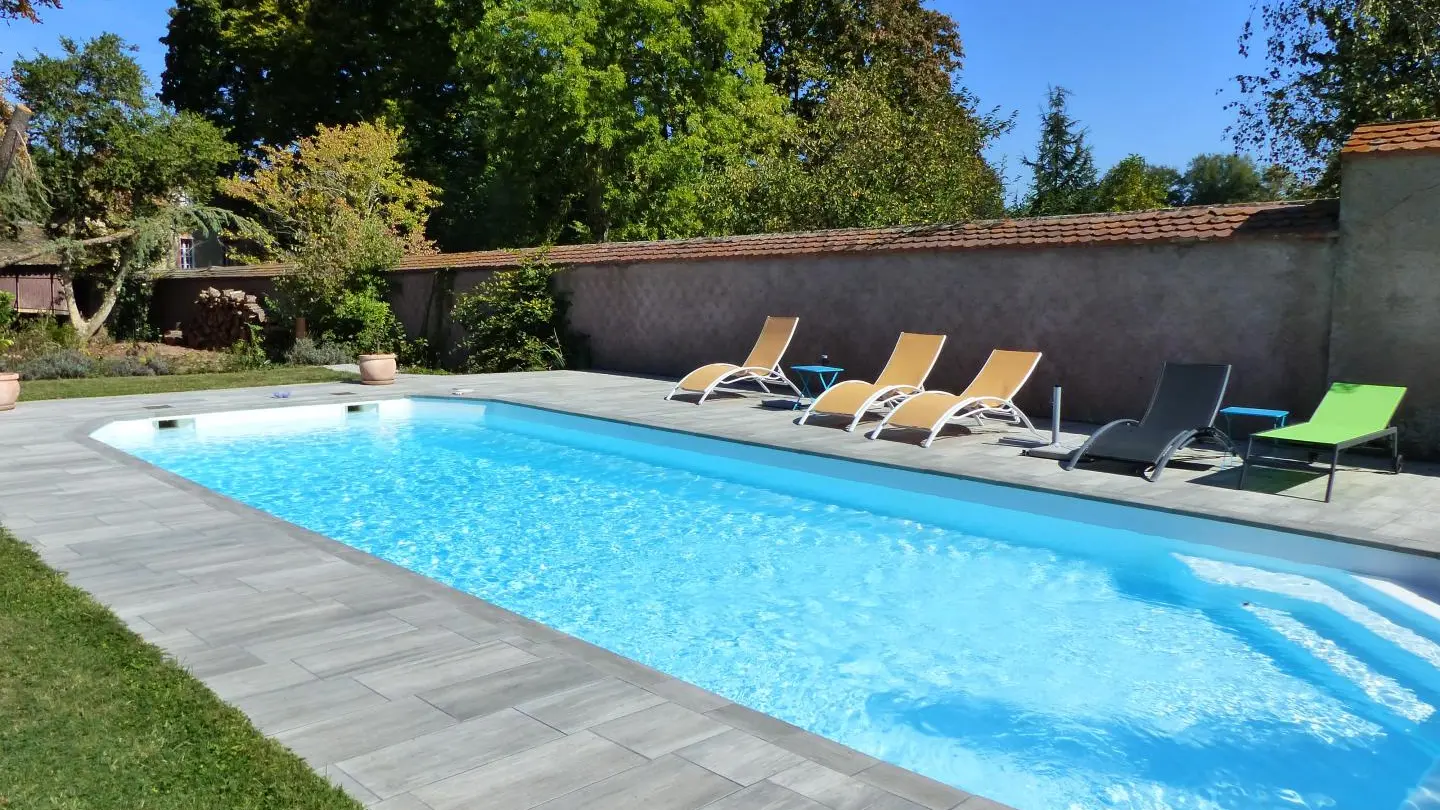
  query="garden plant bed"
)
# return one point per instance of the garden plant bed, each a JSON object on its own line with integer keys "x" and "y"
{"x": 96, "y": 717}
{"x": 118, "y": 386}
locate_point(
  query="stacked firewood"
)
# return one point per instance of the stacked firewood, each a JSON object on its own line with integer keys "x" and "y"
{"x": 222, "y": 318}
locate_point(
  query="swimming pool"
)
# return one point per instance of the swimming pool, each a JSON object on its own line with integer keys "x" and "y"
{"x": 1045, "y": 651}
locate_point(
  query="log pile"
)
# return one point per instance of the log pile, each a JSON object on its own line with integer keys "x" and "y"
{"x": 222, "y": 319}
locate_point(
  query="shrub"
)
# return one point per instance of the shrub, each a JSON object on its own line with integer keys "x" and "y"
{"x": 126, "y": 366}
{"x": 247, "y": 355}
{"x": 306, "y": 352}
{"x": 7, "y": 311}
{"x": 63, "y": 364}
{"x": 366, "y": 323}
{"x": 44, "y": 335}
{"x": 516, "y": 321}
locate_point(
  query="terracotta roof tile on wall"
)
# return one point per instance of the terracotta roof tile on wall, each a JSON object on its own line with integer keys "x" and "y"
{"x": 1297, "y": 220}
{"x": 1395, "y": 136}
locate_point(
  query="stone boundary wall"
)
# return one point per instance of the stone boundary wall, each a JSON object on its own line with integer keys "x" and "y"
{"x": 1293, "y": 295}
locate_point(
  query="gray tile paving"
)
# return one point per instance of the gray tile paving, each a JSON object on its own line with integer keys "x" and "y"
{"x": 591, "y": 704}
{"x": 452, "y": 750}
{"x": 351, "y": 735}
{"x": 828, "y": 787}
{"x": 739, "y": 757}
{"x": 659, "y": 730}
{"x": 414, "y": 697}
{"x": 668, "y": 783}
{"x": 511, "y": 687}
{"x": 535, "y": 776}
{"x": 765, "y": 796}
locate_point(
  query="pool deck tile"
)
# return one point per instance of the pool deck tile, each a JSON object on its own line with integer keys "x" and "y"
{"x": 413, "y": 696}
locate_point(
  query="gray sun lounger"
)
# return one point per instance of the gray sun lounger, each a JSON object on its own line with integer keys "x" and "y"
{"x": 1182, "y": 412}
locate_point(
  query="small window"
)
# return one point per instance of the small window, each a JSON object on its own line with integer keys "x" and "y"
{"x": 186, "y": 258}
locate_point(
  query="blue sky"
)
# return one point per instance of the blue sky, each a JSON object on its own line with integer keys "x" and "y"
{"x": 1148, "y": 77}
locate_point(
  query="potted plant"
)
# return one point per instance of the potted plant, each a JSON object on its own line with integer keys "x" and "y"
{"x": 9, "y": 381}
{"x": 376, "y": 348}
{"x": 377, "y": 369}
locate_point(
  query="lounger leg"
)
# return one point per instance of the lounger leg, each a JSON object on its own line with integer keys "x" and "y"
{"x": 1395, "y": 452}
{"x": 1330, "y": 484}
{"x": 761, "y": 383}
{"x": 1245, "y": 462}
{"x": 672, "y": 392}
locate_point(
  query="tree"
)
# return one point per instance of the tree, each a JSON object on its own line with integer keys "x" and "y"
{"x": 1134, "y": 185}
{"x": 123, "y": 176}
{"x": 270, "y": 72}
{"x": 25, "y": 9}
{"x": 868, "y": 161}
{"x": 1332, "y": 66}
{"x": 1216, "y": 179}
{"x": 605, "y": 116}
{"x": 810, "y": 45}
{"x": 340, "y": 205}
{"x": 1064, "y": 168}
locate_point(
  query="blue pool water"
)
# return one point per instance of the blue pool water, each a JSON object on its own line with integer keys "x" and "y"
{"x": 1043, "y": 662}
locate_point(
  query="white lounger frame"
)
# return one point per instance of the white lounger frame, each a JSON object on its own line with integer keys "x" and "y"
{"x": 756, "y": 374}
{"x": 981, "y": 408}
{"x": 884, "y": 398}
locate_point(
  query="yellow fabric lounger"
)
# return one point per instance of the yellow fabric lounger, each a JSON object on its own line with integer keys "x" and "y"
{"x": 903, "y": 376}
{"x": 762, "y": 366}
{"x": 989, "y": 396}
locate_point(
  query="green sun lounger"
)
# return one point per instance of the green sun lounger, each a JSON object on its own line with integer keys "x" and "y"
{"x": 1350, "y": 415}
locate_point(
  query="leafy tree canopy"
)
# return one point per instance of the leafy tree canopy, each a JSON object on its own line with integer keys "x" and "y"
{"x": 597, "y": 119}
{"x": 1332, "y": 65}
{"x": 869, "y": 161}
{"x": 122, "y": 175}
{"x": 605, "y": 114}
{"x": 1219, "y": 178}
{"x": 1134, "y": 185}
{"x": 340, "y": 205}
{"x": 1064, "y": 179}
{"x": 25, "y": 9}
{"x": 811, "y": 44}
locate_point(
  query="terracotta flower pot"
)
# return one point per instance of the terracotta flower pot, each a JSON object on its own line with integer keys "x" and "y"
{"x": 9, "y": 390}
{"x": 377, "y": 369}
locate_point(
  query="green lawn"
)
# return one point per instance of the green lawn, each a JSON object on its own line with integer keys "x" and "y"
{"x": 31, "y": 390}
{"x": 93, "y": 717}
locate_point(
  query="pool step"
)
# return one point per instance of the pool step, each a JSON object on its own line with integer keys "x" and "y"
{"x": 1426, "y": 795}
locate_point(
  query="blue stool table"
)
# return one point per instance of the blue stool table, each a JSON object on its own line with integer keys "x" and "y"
{"x": 825, "y": 377}
{"x": 1263, "y": 413}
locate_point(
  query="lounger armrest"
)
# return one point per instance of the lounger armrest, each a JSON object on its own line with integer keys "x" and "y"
{"x": 1080, "y": 452}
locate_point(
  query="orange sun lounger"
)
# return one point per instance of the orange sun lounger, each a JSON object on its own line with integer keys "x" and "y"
{"x": 761, "y": 367}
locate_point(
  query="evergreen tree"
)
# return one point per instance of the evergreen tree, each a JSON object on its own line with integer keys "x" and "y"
{"x": 1065, "y": 180}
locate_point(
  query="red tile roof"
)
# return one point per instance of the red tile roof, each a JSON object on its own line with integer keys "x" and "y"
{"x": 1316, "y": 219}
{"x": 1395, "y": 136}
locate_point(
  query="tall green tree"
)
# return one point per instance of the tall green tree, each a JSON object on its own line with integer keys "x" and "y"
{"x": 1215, "y": 179}
{"x": 867, "y": 160}
{"x": 271, "y": 71}
{"x": 1134, "y": 185}
{"x": 810, "y": 45}
{"x": 606, "y": 116}
{"x": 1332, "y": 65}
{"x": 123, "y": 176}
{"x": 1064, "y": 179}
